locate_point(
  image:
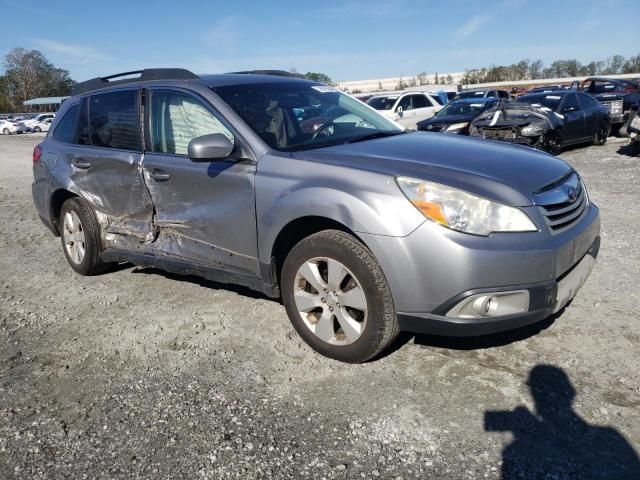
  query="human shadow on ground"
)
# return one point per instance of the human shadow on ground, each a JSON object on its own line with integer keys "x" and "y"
{"x": 553, "y": 441}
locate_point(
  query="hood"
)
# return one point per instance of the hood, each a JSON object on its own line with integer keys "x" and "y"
{"x": 505, "y": 173}
{"x": 447, "y": 119}
{"x": 609, "y": 97}
{"x": 517, "y": 115}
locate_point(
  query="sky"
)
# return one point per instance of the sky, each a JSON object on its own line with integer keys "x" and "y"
{"x": 347, "y": 40}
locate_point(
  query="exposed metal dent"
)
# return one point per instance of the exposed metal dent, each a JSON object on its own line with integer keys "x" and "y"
{"x": 112, "y": 226}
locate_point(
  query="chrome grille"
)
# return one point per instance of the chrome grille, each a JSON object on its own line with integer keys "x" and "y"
{"x": 563, "y": 203}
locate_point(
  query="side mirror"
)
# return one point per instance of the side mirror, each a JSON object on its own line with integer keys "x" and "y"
{"x": 399, "y": 110}
{"x": 214, "y": 146}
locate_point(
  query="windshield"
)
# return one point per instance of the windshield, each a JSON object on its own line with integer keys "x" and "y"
{"x": 382, "y": 103}
{"x": 548, "y": 100}
{"x": 478, "y": 94}
{"x": 291, "y": 116}
{"x": 464, "y": 108}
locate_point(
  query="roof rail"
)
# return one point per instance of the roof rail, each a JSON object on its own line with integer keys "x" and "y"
{"x": 277, "y": 73}
{"x": 140, "y": 76}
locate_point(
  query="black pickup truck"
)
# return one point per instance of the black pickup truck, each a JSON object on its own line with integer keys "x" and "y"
{"x": 619, "y": 95}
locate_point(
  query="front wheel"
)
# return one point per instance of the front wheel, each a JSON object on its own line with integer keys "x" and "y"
{"x": 550, "y": 142}
{"x": 337, "y": 297}
{"x": 37, "y": 129}
{"x": 601, "y": 135}
{"x": 6, "y": 131}
{"x": 80, "y": 235}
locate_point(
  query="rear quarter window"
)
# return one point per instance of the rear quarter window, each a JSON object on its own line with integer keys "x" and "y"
{"x": 68, "y": 126}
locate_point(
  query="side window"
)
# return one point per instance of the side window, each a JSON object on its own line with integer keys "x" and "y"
{"x": 570, "y": 103}
{"x": 114, "y": 120}
{"x": 177, "y": 118}
{"x": 503, "y": 94}
{"x": 420, "y": 101}
{"x": 405, "y": 103}
{"x": 586, "y": 101}
{"x": 68, "y": 126}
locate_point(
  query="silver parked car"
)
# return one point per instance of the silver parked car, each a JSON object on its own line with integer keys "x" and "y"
{"x": 294, "y": 189}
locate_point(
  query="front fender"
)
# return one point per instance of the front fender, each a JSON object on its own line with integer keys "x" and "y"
{"x": 365, "y": 202}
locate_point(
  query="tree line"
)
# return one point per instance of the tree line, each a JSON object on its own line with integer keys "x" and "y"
{"x": 536, "y": 69}
{"x": 28, "y": 74}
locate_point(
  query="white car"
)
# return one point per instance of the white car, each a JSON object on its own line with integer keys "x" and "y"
{"x": 37, "y": 119}
{"x": 7, "y": 127}
{"x": 407, "y": 108}
{"x": 42, "y": 126}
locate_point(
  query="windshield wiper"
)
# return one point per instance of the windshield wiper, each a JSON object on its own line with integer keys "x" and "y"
{"x": 371, "y": 136}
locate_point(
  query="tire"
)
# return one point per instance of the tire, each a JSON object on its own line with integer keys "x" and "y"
{"x": 81, "y": 242}
{"x": 37, "y": 130}
{"x": 550, "y": 142}
{"x": 600, "y": 138}
{"x": 6, "y": 131}
{"x": 367, "y": 331}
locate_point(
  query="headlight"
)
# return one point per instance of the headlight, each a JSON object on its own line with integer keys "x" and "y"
{"x": 635, "y": 123}
{"x": 616, "y": 107}
{"x": 463, "y": 211}
{"x": 457, "y": 126}
{"x": 533, "y": 129}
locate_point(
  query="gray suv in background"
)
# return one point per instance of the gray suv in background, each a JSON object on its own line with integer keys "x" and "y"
{"x": 299, "y": 191}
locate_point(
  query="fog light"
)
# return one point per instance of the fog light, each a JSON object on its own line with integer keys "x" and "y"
{"x": 494, "y": 304}
{"x": 485, "y": 305}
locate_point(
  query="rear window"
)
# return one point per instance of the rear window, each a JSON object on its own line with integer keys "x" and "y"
{"x": 382, "y": 103}
{"x": 477, "y": 94}
{"x": 548, "y": 100}
{"x": 114, "y": 120}
{"x": 68, "y": 126}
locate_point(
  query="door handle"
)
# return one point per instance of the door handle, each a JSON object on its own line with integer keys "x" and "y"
{"x": 81, "y": 163}
{"x": 159, "y": 175}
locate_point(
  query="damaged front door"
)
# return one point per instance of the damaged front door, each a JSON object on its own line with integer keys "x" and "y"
{"x": 105, "y": 163}
{"x": 204, "y": 210}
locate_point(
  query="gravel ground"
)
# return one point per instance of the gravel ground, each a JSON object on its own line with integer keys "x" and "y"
{"x": 141, "y": 374}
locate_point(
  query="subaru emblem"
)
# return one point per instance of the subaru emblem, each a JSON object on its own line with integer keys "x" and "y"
{"x": 572, "y": 192}
{"x": 429, "y": 127}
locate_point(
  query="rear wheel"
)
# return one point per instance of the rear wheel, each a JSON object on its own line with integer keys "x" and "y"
{"x": 337, "y": 297}
{"x": 601, "y": 135}
{"x": 550, "y": 142}
{"x": 37, "y": 129}
{"x": 80, "y": 235}
{"x": 6, "y": 131}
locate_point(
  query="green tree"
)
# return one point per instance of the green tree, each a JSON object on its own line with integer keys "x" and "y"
{"x": 632, "y": 65}
{"x": 535, "y": 69}
{"x": 28, "y": 74}
{"x": 318, "y": 77}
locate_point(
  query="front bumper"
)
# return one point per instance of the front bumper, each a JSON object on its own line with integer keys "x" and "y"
{"x": 617, "y": 118}
{"x": 434, "y": 268}
{"x": 545, "y": 299}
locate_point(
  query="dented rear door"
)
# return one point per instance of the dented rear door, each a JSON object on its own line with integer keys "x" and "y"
{"x": 106, "y": 163}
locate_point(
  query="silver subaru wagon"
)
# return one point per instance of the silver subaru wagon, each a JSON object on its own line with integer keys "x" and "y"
{"x": 301, "y": 192}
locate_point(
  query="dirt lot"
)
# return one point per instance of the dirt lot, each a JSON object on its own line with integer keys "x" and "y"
{"x": 140, "y": 374}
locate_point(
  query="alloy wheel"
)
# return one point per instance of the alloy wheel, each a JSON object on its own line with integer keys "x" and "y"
{"x": 330, "y": 300}
{"x": 74, "y": 240}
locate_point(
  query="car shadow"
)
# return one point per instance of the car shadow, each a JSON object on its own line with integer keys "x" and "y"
{"x": 629, "y": 150}
{"x": 203, "y": 282}
{"x": 470, "y": 343}
{"x": 553, "y": 441}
